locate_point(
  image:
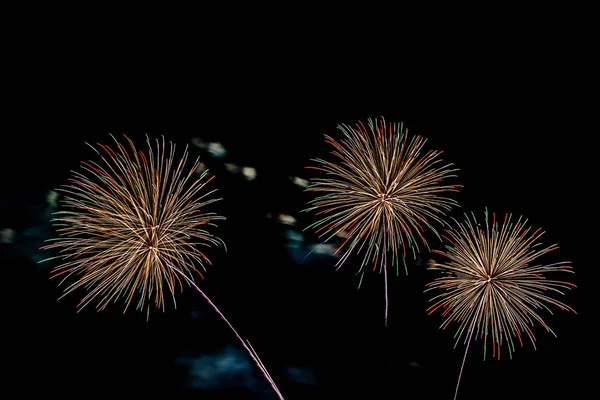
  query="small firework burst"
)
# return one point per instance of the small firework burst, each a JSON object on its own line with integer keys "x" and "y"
{"x": 382, "y": 191}
{"x": 493, "y": 286}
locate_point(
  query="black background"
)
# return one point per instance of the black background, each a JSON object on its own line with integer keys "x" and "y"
{"x": 513, "y": 125}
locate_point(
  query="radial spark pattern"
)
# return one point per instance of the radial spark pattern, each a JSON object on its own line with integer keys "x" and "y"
{"x": 381, "y": 192}
{"x": 131, "y": 226}
{"x": 493, "y": 285}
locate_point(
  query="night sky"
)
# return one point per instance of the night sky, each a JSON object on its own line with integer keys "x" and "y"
{"x": 517, "y": 139}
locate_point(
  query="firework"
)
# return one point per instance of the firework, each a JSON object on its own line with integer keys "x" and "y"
{"x": 381, "y": 192}
{"x": 492, "y": 285}
{"x": 131, "y": 229}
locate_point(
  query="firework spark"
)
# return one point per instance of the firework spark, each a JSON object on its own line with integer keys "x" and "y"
{"x": 131, "y": 227}
{"x": 381, "y": 194}
{"x": 492, "y": 284}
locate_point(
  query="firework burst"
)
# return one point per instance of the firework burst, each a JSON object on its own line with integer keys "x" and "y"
{"x": 381, "y": 192}
{"x": 492, "y": 286}
{"x": 132, "y": 227}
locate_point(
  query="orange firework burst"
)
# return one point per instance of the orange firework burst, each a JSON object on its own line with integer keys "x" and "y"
{"x": 133, "y": 225}
{"x": 382, "y": 192}
{"x": 492, "y": 284}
